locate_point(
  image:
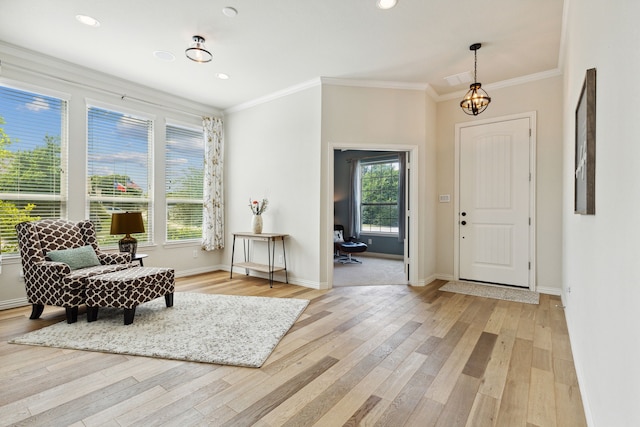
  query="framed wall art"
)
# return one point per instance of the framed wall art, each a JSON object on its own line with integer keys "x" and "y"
{"x": 585, "y": 154}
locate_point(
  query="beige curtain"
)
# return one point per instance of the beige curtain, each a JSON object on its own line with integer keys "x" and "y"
{"x": 213, "y": 192}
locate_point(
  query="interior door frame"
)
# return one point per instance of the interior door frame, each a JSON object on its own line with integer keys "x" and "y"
{"x": 532, "y": 190}
{"x": 411, "y": 239}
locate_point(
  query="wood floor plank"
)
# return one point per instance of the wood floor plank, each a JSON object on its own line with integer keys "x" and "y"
{"x": 442, "y": 386}
{"x": 458, "y": 407}
{"x": 542, "y": 401}
{"x": 269, "y": 402}
{"x": 568, "y": 405}
{"x": 512, "y": 411}
{"x": 426, "y": 413}
{"x": 362, "y": 412}
{"x": 484, "y": 411}
{"x": 315, "y": 409}
{"x": 362, "y": 355}
{"x": 477, "y": 362}
{"x": 497, "y": 370}
{"x": 357, "y": 402}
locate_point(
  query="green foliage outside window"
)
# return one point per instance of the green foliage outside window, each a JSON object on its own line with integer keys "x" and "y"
{"x": 17, "y": 167}
{"x": 379, "y": 196}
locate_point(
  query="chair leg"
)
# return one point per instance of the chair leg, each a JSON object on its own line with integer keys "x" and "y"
{"x": 92, "y": 314}
{"x": 36, "y": 311}
{"x": 350, "y": 260}
{"x": 72, "y": 314}
{"x": 129, "y": 314}
{"x": 168, "y": 298}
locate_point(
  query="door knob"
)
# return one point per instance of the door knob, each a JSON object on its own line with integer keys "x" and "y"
{"x": 464, "y": 223}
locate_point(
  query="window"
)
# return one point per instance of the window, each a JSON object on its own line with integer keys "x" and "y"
{"x": 379, "y": 183}
{"x": 118, "y": 180}
{"x": 33, "y": 132}
{"x": 184, "y": 176}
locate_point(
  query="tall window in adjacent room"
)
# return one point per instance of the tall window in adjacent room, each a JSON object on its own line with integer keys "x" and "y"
{"x": 33, "y": 140}
{"x": 379, "y": 181}
{"x": 118, "y": 170}
{"x": 184, "y": 182}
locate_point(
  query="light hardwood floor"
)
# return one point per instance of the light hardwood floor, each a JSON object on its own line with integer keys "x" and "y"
{"x": 364, "y": 355}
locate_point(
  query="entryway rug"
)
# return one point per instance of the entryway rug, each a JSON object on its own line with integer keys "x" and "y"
{"x": 222, "y": 329}
{"x": 493, "y": 291}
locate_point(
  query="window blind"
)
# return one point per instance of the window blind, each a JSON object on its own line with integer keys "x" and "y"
{"x": 118, "y": 176}
{"x": 33, "y": 134}
{"x": 184, "y": 182}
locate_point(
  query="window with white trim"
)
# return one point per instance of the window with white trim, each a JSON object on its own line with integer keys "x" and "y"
{"x": 33, "y": 140}
{"x": 379, "y": 181}
{"x": 184, "y": 174}
{"x": 118, "y": 170}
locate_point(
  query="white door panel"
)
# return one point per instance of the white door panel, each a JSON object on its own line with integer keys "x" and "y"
{"x": 494, "y": 203}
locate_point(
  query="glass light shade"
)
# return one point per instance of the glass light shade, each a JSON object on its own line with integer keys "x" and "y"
{"x": 476, "y": 100}
{"x": 197, "y": 51}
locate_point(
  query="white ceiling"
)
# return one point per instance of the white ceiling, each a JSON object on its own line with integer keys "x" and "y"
{"x": 272, "y": 45}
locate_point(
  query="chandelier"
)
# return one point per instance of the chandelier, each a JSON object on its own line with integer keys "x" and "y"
{"x": 476, "y": 100}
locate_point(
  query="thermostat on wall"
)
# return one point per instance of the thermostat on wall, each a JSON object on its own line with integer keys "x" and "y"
{"x": 445, "y": 198}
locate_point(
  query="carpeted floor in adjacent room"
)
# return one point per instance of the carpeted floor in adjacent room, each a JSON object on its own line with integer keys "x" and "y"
{"x": 372, "y": 271}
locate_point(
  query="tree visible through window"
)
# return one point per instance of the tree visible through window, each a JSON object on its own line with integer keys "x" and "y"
{"x": 32, "y": 184}
{"x": 379, "y": 196}
{"x": 118, "y": 170}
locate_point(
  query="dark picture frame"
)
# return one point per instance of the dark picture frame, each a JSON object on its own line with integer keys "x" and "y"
{"x": 585, "y": 154}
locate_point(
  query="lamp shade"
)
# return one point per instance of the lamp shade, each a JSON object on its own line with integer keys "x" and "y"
{"x": 127, "y": 223}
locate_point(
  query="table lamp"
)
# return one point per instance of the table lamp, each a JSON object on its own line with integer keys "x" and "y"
{"x": 127, "y": 223}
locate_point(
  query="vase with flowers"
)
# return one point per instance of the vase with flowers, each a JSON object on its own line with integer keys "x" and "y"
{"x": 257, "y": 208}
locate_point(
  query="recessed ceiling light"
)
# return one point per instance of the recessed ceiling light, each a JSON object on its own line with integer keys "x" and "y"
{"x": 88, "y": 20}
{"x": 163, "y": 55}
{"x": 230, "y": 11}
{"x": 386, "y": 4}
{"x": 222, "y": 76}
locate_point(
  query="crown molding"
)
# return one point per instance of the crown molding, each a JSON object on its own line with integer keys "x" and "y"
{"x": 275, "y": 95}
{"x": 379, "y": 84}
{"x": 506, "y": 83}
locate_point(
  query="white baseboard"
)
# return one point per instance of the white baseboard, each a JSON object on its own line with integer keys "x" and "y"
{"x": 549, "y": 291}
{"x": 446, "y": 277}
{"x": 380, "y": 255}
{"x": 13, "y": 303}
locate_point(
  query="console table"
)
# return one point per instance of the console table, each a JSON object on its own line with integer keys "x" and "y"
{"x": 270, "y": 268}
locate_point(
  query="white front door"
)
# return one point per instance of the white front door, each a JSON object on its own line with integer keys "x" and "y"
{"x": 494, "y": 202}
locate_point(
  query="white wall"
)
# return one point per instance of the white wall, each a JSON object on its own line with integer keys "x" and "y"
{"x": 601, "y": 252}
{"x": 273, "y": 151}
{"x": 80, "y": 84}
{"x": 365, "y": 118}
{"x": 545, "y": 98}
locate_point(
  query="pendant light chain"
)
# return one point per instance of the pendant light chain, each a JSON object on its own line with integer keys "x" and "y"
{"x": 475, "y": 65}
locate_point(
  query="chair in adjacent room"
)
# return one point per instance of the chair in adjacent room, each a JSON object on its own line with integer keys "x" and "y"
{"x": 345, "y": 247}
{"x": 57, "y": 258}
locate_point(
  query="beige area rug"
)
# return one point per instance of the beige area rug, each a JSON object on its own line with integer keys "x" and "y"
{"x": 223, "y": 329}
{"x": 493, "y": 291}
{"x": 372, "y": 271}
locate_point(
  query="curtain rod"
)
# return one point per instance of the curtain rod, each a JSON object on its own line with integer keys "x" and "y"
{"x": 122, "y": 96}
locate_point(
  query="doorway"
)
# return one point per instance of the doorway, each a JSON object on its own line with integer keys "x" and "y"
{"x": 496, "y": 201}
{"x": 385, "y": 250}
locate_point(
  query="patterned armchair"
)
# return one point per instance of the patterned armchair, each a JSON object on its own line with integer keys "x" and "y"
{"x": 56, "y": 283}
